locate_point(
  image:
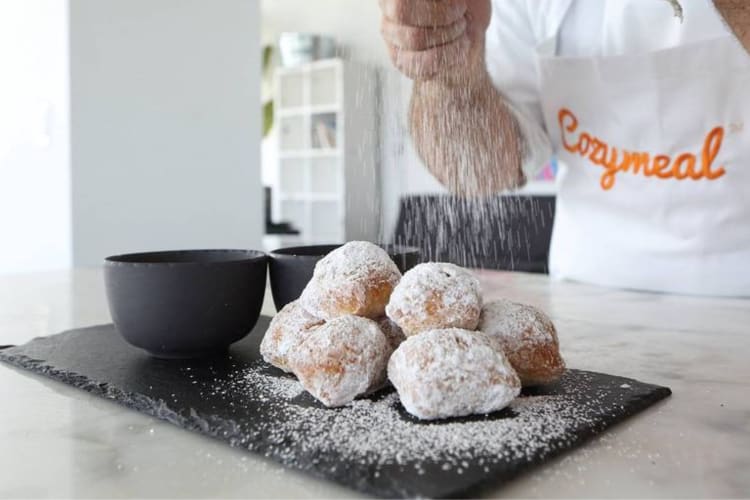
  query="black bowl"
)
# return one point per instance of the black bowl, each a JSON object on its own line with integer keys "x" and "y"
{"x": 292, "y": 268}
{"x": 185, "y": 304}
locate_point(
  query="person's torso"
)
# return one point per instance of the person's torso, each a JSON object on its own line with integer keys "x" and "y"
{"x": 648, "y": 115}
{"x": 592, "y": 28}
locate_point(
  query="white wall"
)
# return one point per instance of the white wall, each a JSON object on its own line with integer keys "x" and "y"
{"x": 356, "y": 26}
{"x": 165, "y": 125}
{"x": 34, "y": 156}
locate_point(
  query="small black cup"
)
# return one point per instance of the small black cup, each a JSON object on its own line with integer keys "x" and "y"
{"x": 292, "y": 268}
{"x": 185, "y": 304}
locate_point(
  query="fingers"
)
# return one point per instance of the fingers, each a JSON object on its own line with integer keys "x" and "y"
{"x": 416, "y": 38}
{"x": 423, "y": 13}
{"x": 427, "y": 64}
{"x": 425, "y": 38}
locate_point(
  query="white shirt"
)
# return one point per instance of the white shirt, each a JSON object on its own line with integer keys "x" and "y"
{"x": 581, "y": 28}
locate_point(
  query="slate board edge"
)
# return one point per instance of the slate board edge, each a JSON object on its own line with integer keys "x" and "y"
{"x": 660, "y": 393}
{"x": 224, "y": 429}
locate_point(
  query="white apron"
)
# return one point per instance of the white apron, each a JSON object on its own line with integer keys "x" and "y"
{"x": 654, "y": 188}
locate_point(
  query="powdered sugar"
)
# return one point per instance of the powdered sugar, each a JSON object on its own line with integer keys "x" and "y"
{"x": 377, "y": 433}
{"x": 515, "y": 323}
{"x": 341, "y": 360}
{"x": 357, "y": 278}
{"x": 286, "y": 331}
{"x": 279, "y": 387}
{"x": 433, "y": 296}
{"x": 450, "y": 373}
{"x": 357, "y": 260}
{"x": 528, "y": 338}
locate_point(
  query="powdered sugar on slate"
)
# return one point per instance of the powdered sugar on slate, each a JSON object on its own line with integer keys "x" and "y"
{"x": 243, "y": 402}
{"x": 377, "y": 432}
{"x": 269, "y": 386}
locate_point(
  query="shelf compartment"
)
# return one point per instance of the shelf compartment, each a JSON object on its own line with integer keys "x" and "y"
{"x": 325, "y": 176}
{"x": 308, "y": 110}
{"x": 292, "y": 134}
{"x": 324, "y": 131}
{"x": 293, "y": 175}
{"x": 324, "y": 86}
{"x": 292, "y": 91}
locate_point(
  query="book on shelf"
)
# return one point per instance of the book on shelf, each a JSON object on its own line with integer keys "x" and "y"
{"x": 326, "y": 135}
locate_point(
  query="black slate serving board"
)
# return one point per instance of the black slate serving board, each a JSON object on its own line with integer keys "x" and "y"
{"x": 215, "y": 397}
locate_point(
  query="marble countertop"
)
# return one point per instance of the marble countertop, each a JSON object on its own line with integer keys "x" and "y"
{"x": 59, "y": 442}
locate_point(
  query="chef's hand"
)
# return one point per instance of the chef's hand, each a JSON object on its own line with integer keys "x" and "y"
{"x": 429, "y": 39}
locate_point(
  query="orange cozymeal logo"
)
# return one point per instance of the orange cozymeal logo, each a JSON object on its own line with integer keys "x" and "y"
{"x": 660, "y": 166}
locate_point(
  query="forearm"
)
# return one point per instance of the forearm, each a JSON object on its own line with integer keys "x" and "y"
{"x": 737, "y": 15}
{"x": 466, "y": 135}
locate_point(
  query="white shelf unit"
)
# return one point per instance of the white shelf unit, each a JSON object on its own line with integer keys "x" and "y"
{"x": 326, "y": 183}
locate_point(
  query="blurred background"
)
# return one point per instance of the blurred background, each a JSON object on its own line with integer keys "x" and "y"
{"x": 129, "y": 125}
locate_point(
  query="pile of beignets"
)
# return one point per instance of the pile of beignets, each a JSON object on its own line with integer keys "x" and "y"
{"x": 359, "y": 324}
